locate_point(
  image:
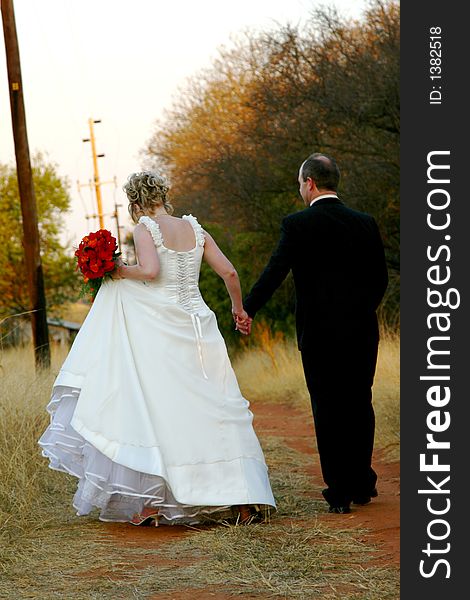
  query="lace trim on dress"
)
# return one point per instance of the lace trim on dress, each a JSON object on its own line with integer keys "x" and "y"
{"x": 118, "y": 491}
{"x": 154, "y": 229}
{"x": 198, "y": 230}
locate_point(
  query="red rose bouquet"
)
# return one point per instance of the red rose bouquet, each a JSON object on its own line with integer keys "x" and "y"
{"x": 96, "y": 258}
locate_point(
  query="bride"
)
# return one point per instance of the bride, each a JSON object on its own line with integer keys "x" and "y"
{"x": 146, "y": 410}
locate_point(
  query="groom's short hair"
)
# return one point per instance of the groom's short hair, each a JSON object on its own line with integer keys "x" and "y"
{"x": 323, "y": 170}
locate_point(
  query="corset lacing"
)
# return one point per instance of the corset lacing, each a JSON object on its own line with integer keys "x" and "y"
{"x": 186, "y": 273}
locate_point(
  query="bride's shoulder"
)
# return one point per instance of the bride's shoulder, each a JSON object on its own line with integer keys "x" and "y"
{"x": 152, "y": 227}
{"x": 144, "y": 220}
{"x": 199, "y": 231}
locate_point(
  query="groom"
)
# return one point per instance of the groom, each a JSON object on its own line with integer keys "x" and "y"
{"x": 337, "y": 260}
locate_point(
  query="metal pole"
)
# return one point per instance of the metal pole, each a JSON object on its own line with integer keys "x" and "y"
{"x": 96, "y": 174}
{"x": 26, "y": 190}
{"x": 116, "y": 214}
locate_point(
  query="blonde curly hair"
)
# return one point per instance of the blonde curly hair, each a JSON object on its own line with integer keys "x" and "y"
{"x": 146, "y": 191}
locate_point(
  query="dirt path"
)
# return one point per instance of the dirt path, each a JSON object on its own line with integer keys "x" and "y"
{"x": 381, "y": 516}
{"x": 295, "y": 428}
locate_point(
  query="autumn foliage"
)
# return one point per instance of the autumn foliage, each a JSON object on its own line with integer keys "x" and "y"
{"x": 234, "y": 139}
{"x": 53, "y": 202}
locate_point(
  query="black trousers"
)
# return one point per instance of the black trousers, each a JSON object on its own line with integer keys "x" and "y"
{"x": 339, "y": 372}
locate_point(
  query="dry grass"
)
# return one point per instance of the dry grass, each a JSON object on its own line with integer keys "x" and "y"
{"x": 387, "y": 395}
{"x": 294, "y": 556}
{"x": 74, "y": 311}
{"x": 274, "y": 373}
{"x": 283, "y": 560}
{"x": 45, "y": 550}
{"x": 26, "y": 487}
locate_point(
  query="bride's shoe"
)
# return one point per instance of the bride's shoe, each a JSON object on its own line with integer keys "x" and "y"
{"x": 244, "y": 514}
{"x": 250, "y": 513}
{"x": 145, "y": 519}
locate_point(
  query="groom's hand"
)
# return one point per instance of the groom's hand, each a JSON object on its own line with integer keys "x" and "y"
{"x": 244, "y": 327}
{"x": 242, "y": 321}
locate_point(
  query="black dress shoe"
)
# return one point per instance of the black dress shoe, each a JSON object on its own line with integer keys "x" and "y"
{"x": 365, "y": 498}
{"x": 339, "y": 510}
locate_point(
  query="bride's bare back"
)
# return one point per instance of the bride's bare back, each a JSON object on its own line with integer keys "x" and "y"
{"x": 177, "y": 233}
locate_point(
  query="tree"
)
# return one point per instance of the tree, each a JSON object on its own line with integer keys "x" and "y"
{"x": 232, "y": 144}
{"x": 61, "y": 279}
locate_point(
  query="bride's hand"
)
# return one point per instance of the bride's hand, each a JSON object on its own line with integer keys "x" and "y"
{"x": 242, "y": 321}
{"x": 244, "y": 327}
{"x": 116, "y": 274}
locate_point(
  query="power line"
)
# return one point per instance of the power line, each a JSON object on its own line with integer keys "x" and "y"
{"x": 97, "y": 183}
{"x": 96, "y": 176}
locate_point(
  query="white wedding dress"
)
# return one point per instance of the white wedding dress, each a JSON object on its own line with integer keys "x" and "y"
{"x": 146, "y": 409}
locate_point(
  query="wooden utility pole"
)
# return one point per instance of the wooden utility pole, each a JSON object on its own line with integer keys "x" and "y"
{"x": 25, "y": 184}
{"x": 95, "y": 170}
{"x": 118, "y": 227}
{"x": 97, "y": 183}
{"x": 116, "y": 216}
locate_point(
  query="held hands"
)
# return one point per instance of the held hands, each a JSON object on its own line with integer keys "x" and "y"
{"x": 242, "y": 320}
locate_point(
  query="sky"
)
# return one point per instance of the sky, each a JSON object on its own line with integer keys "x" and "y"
{"x": 121, "y": 62}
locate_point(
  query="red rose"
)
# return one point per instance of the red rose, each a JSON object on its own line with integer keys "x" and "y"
{"x": 96, "y": 255}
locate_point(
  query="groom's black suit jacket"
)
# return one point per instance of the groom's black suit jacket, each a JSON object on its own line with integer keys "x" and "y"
{"x": 337, "y": 260}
